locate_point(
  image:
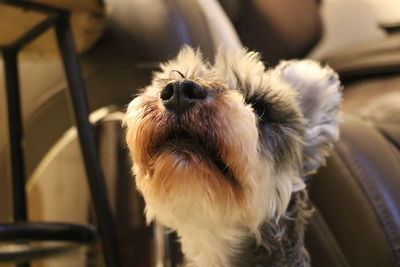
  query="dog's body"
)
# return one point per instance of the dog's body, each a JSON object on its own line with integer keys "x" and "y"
{"x": 220, "y": 152}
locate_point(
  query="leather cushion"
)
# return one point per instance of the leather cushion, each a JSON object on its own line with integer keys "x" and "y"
{"x": 357, "y": 194}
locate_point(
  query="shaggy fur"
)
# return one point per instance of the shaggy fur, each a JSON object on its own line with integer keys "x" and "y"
{"x": 232, "y": 185}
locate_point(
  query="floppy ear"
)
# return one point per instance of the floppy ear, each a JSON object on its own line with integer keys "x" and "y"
{"x": 319, "y": 96}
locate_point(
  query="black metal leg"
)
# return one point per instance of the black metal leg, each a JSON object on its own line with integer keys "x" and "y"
{"x": 97, "y": 187}
{"x": 15, "y": 133}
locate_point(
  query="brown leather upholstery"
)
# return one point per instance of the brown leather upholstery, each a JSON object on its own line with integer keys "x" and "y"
{"x": 154, "y": 30}
{"x": 281, "y": 29}
{"x": 357, "y": 194}
{"x": 357, "y": 198}
{"x": 376, "y": 57}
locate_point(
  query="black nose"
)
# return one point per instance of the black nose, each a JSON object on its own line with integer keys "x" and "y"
{"x": 180, "y": 96}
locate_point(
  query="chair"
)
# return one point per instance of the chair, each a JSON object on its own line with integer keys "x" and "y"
{"x": 22, "y": 230}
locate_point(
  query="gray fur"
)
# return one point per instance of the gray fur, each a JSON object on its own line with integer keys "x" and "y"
{"x": 281, "y": 125}
{"x": 282, "y": 241}
{"x": 319, "y": 96}
{"x": 283, "y": 128}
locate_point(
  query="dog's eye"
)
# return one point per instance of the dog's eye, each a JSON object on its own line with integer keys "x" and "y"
{"x": 271, "y": 110}
{"x": 261, "y": 107}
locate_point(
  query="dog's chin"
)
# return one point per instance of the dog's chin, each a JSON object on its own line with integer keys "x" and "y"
{"x": 182, "y": 147}
{"x": 184, "y": 167}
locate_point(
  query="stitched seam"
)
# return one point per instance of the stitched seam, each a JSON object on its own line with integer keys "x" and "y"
{"x": 327, "y": 233}
{"x": 390, "y": 138}
{"x": 380, "y": 209}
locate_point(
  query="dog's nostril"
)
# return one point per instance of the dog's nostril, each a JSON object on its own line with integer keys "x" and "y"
{"x": 193, "y": 90}
{"x": 167, "y": 92}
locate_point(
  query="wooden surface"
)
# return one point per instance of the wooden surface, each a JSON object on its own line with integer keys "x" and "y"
{"x": 92, "y": 6}
{"x": 87, "y": 22}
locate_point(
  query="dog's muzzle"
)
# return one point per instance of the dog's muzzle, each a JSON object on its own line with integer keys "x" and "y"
{"x": 180, "y": 96}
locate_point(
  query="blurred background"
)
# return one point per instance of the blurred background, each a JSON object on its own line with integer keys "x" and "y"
{"x": 120, "y": 43}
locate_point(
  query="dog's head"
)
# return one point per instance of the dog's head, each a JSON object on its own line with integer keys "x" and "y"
{"x": 227, "y": 143}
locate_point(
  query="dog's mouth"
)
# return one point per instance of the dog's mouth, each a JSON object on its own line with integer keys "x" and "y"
{"x": 182, "y": 142}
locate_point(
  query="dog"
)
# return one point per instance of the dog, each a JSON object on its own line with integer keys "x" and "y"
{"x": 221, "y": 152}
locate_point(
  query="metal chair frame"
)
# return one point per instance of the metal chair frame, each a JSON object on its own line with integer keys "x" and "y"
{"x": 58, "y": 18}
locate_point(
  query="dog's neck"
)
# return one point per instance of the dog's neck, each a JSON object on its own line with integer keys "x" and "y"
{"x": 282, "y": 244}
{"x": 214, "y": 247}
